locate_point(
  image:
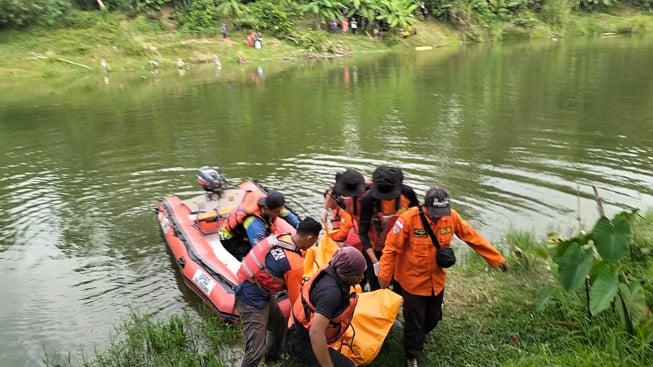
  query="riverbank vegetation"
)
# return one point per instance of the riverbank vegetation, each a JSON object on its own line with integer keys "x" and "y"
{"x": 579, "y": 301}
{"x": 45, "y": 37}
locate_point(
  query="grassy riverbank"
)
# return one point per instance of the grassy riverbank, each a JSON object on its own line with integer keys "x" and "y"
{"x": 128, "y": 44}
{"x": 490, "y": 319}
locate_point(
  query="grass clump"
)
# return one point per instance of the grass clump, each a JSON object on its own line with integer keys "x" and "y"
{"x": 181, "y": 340}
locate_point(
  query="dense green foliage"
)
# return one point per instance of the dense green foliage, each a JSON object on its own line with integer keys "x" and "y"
{"x": 201, "y": 17}
{"x": 274, "y": 16}
{"x": 16, "y": 14}
{"x": 270, "y": 18}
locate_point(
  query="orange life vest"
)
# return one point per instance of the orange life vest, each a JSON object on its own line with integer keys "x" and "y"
{"x": 335, "y": 219}
{"x": 249, "y": 206}
{"x": 384, "y": 217}
{"x": 253, "y": 267}
{"x": 352, "y": 205}
{"x": 303, "y": 310}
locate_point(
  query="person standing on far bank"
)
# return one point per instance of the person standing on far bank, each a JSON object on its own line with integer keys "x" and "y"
{"x": 223, "y": 30}
{"x": 409, "y": 255}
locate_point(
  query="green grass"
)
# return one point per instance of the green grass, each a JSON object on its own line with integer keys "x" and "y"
{"x": 490, "y": 319}
{"x": 181, "y": 340}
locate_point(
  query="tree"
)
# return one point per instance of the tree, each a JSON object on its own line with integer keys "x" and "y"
{"x": 232, "y": 9}
{"x": 325, "y": 9}
{"x": 17, "y": 14}
{"x": 397, "y": 13}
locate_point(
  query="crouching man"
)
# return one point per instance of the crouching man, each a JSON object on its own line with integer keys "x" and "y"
{"x": 324, "y": 311}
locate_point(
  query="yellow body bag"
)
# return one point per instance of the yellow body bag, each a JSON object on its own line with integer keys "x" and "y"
{"x": 374, "y": 315}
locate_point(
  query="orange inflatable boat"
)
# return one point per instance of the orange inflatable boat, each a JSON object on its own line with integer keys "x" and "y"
{"x": 190, "y": 228}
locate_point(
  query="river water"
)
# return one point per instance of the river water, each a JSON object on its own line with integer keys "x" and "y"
{"x": 517, "y": 133}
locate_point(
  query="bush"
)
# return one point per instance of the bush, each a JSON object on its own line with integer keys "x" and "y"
{"x": 201, "y": 17}
{"x": 19, "y": 14}
{"x": 642, "y": 4}
{"x": 312, "y": 40}
{"x": 556, "y": 12}
{"x": 268, "y": 17}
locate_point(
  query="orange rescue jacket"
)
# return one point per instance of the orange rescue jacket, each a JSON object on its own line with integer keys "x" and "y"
{"x": 409, "y": 254}
{"x": 253, "y": 267}
{"x": 303, "y": 310}
{"x": 341, "y": 222}
{"x": 384, "y": 216}
{"x": 249, "y": 206}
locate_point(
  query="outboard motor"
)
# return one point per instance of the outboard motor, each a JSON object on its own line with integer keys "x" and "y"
{"x": 211, "y": 181}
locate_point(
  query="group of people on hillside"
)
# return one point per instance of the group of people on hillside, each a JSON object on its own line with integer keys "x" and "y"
{"x": 387, "y": 239}
{"x": 346, "y": 24}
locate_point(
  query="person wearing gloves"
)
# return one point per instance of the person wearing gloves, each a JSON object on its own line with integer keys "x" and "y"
{"x": 416, "y": 254}
{"x": 380, "y": 206}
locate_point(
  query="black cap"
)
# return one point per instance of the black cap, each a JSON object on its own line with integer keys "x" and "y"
{"x": 273, "y": 200}
{"x": 437, "y": 201}
{"x": 350, "y": 183}
{"x": 386, "y": 183}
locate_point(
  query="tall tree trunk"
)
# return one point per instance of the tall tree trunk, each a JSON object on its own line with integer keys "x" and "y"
{"x": 101, "y": 5}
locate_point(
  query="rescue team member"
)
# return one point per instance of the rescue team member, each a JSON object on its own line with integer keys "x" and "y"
{"x": 342, "y": 200}
{"x": 340, "y": 221}
{"x": 380, "y": 206}
{"x": 409, "y": 256}
{"x": 324, "y": 311}
{"x": 273, "y": 265}
{"x": 252, "y": 221}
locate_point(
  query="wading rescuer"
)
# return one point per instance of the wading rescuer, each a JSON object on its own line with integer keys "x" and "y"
{"x": 252, "y": 221}
{"x": 324, "y": 311}
{"x": 273, "y": 265}
{"x": 410, "y": 256}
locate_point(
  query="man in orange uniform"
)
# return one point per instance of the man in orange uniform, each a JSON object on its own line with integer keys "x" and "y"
{"x": 410, "y": 256}
{"x": 324, "y": 311}
{"x": 273, "y": 265}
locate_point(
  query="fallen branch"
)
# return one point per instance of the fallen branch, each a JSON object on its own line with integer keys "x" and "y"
{"x": 37, "y": 57}
{"x": 41, "y": 57}
{"x": 73, "y": 63}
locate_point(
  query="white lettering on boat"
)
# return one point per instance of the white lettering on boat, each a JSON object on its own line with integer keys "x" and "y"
{"x": 165, "y": 223}
{"x": 204, "y": 281}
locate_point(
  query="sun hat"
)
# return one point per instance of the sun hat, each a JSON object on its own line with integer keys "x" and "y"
{"x": 386, "y": 183}
{"x": 350, "y": 183}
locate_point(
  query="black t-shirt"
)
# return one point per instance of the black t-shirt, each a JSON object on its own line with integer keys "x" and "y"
{"x": 329, "y": 295}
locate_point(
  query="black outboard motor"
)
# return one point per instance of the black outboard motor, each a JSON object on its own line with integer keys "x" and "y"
{"x": 211, "y": 181}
